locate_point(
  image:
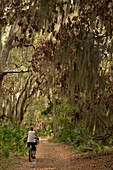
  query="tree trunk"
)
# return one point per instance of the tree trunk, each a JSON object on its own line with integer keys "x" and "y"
{"x": 54, "y": 117}
{"x": 5, "y": 51}
{"x": 0, "y": 39}
{"x": 11, "y": 109}
{"x": 22, "y": 109}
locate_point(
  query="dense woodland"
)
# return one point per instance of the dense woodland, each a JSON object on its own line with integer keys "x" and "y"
{"x": 56, "y": 72}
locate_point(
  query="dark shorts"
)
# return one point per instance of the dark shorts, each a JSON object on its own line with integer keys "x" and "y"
{"x": 32, "y": 144}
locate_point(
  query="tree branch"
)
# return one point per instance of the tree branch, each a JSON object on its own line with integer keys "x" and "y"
{"x": 105, "y": 124}
{"x": 18, "y": 44}
{"x": 2, "y": 74}
{"x": 109, "y": 130}
{"x": 104, "y": 137}
{"x": 25, "y": 87}
{"x": 16, "y": 72}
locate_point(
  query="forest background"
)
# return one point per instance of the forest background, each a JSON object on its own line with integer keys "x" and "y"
{"x": 56, "y": 73}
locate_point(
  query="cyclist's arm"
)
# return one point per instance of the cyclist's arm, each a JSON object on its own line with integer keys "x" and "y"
{"x": 36, "y": 135}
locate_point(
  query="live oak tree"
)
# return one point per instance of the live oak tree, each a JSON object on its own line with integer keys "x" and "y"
{"x": 74, "y": 59}
{"x": 11, "y": 13}
{"x": 22, "y": 19}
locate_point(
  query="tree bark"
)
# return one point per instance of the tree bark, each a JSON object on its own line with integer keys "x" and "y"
{"x": 54, "y": 117}
{"x": 0, "y": 39}
{"x": 5, "y": 50}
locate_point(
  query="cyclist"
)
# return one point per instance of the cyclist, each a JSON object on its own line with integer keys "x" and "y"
{"x": 31, "y": 140}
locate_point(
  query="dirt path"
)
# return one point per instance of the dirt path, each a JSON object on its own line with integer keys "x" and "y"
{"x": 57, "y": 156}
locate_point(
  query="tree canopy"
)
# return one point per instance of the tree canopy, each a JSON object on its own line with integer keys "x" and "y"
{"x": 58, "y": 50}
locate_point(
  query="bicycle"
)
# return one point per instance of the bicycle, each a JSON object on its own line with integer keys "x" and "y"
{"x": 31, "y": 150}
{"x": 30, "y": 153}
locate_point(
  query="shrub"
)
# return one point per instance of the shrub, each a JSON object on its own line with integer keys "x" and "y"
{"x": 11, "y": 140}
{"x": 65, "y": 135}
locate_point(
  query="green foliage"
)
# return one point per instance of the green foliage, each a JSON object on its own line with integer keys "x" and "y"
{"x": 79, "y": 134}
{"x": 6, "y": 151}
{"x": 12, "y": 140}
{"x": 75, "y": 137}
{"x": 79, "y": 141}
{"x": 47, "y": 110}
{"x": 48, "y": 132}
{"x": 83, "y": 148}
{"x": 64, "y": 135}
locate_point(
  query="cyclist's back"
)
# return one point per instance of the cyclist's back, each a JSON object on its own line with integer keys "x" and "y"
{"x": 31, "y": 136}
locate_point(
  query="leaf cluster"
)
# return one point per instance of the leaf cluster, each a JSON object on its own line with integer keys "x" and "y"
{"x": 11, "y": 141}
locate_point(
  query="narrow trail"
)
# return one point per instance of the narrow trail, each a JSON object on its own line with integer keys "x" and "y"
{"x": 57, "y": 156}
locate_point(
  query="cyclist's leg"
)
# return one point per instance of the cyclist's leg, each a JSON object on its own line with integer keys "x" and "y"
{"x": 34, "y": 150}
{"x": 29, "y": 153}
{"x": 28, "y": 145}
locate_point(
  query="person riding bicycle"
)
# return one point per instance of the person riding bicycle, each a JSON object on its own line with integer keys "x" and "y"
{"x": 31, "y": 140}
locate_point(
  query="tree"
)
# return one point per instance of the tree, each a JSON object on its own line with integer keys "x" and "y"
{"x": 77, "y": 55}
{"x": 77, "y": 43}
{"x": 12, "y": 13}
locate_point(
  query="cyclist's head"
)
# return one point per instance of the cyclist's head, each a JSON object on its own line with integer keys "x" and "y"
{"x": 32, "y": 128}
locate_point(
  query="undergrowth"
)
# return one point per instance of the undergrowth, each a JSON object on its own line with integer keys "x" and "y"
{"x": 12, "y": 141}
{"x": 80, "y": 141}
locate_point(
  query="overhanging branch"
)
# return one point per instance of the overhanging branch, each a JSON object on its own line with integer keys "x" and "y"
{"x": 2, "y": 74}
{"x": 18, "y": 44}
{"x": 6, "y": 72}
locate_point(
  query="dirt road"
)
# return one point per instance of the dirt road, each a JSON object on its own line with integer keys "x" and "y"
{"x": 57, "y": 156}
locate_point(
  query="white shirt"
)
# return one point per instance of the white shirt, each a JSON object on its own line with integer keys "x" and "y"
{"x": 31, "y": 136}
